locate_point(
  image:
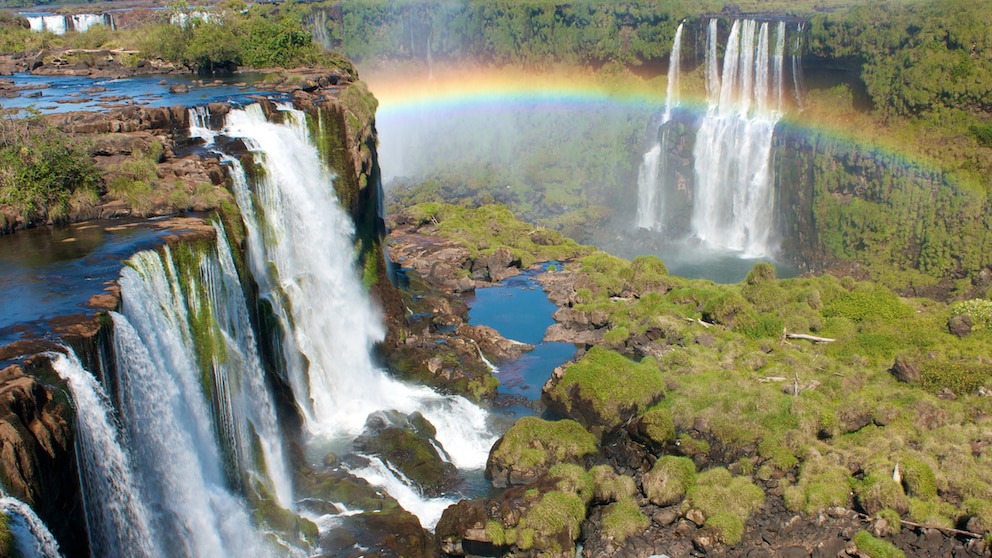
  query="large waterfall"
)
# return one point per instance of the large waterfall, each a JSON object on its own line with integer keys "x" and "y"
{"x": 732, "y": 197}
{"x": 300, "y": 252}
{"x": 650, "y": 196}
{"x": 734, "y": 201}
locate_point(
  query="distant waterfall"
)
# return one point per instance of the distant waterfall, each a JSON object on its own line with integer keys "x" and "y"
{"x": 117, "y": 520}
{"x": 60, "y": 24}
{"x": 166, "y": 396}
{"x": 301, "y": 252}
{"x": 32, "y": 539}
{"x": 733, "y": 204}
{"x": 650, "y": 193}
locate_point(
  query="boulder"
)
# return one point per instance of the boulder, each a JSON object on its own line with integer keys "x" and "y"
{"x": 493, "y": 344}
{"x": 532, "y": 445}
{"x": 905, "y": 370}
{"x": 959, "y": 325}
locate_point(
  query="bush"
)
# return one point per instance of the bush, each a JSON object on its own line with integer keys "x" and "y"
{"x": 978, "y": 309}
{"x": 43, "y": 172}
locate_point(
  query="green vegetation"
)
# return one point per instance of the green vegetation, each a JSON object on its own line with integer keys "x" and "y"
{"x": 44, "y": 175}
{"x": 821, "y": 485}
{"x": 610, "y": 387}
{"x": 876, "y": 548}
{"x": 725, "y": 500}
{"x": 623, "y": 518}
{"x": 611, "y": 487}
{"x": 536, "y": 443}
{"x": 669, "y": 479}
{"x": 487, "y": 228}
{"x": 6, "y": 536}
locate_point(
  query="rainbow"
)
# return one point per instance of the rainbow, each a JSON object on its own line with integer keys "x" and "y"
{"x": 446, "y": 92}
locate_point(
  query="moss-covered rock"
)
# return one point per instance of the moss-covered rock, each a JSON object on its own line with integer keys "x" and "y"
{"x": 669, "y": 479}
{"x": 878, "y": 491}
{"x": 725, "y": 501}
{"x": 624, "y": 518}
{"x": 532, "y": 446}
{"x": 610, "y": 486}
{"x": 655, "y": 429}
{"x": 821, "y": 485}
{"x": 876, "y": 548}
{"x": 605, "y": 389}
{"x": 394, "y": 532}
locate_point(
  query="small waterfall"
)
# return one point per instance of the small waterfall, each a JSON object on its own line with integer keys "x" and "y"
{"x": 166, "y": 412}
{"x": 300, "y": 252}
{"x": 672, "y": 96}
{"x": 733, "y": 203}
{"x": 199, "y": 124}
{"x": 797, "y": 67}
{"x": 56, "y": 24}
{"x": 32, "y": 539}
{"x": 650, "y": 191}
{"x": 117, "y": 519}
{"x": 82, "y": 22}
{"x": 381, "y": 475}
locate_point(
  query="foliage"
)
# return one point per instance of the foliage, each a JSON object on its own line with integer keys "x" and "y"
{"x": 876, "y": 548}
{"x": 7, "y": 542}
{"x": 611, "y": 386}
{"x": 574, "y": 479}
{"x": 610, "y": 486}
{"x": 134, "y": 179}
{"x": 978, "y": 309}
{"x": 958, "y": 375}
{"x": 557, "y": 513}
{"x": 821, "y": 485}
{"x": 878, "y": 491}
{"x": 44, "y": 174}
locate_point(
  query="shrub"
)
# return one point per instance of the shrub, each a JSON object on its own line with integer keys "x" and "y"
{"x": 867, "y": 301}
{"x": 42, "y": 171}
{"x": 959, "y": 376}
{"x": 876, "y": 548}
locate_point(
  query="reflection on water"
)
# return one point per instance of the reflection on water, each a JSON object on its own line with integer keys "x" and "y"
{"x": 47, "y": 272}
{"x": 519, "y": 309}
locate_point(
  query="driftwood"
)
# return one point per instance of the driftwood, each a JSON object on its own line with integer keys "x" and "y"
{"x": 812, "y": 338}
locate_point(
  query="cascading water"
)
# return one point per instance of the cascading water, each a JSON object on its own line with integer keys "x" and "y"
{"x": 300, "y": 251}
{"x": 166, "y": 396}
{"x": 32, "y": 539}
{"x": 117, "y": 520}
{"x": 650, "y": 193}
{"x": 733, "y": 199}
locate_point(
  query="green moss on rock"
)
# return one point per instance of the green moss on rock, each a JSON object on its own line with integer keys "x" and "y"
{"x": 669, "y": 480}
{"x": 533, "y": 445}
{"x": 876, "y": 548}
{"x": 623, "y": 518}
{"x": 605, "y": 389}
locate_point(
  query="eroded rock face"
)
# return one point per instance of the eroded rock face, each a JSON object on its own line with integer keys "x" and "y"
{"x": 37, "y": 459}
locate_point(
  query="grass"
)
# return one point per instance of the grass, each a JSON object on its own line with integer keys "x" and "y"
{"x": 669, "y": 480}
{"x": 876, "y": 548}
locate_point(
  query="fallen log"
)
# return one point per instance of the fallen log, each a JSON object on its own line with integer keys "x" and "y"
{"x": 812, "y": 338}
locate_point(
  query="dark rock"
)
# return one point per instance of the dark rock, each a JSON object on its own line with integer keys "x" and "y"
{"x": 793, "y": 551}
{"x": 905, "y": 370}
{"x": 178, "y": 88}
{"x": 960, "y": 325}
{"x": 394, "y": 532}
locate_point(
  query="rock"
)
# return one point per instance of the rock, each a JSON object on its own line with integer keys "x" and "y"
{"x": 532, "y": 445}
{"x": 665, "y": 516}
{"x": 960, "y": 325}
{"x": 405, "y": 443}
{"x": 905, "y": 370}
{"x": 178, "y": 88}
{"x": 493, "y": 344}
{"x": 496, "y": 266}
{"x": 392, "y": 532}
{"x": 696, "y": 517}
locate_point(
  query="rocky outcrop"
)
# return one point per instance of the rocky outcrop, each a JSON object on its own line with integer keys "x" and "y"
{"x": 37, "y": 457}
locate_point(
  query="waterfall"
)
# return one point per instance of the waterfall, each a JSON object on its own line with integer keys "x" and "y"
{"x": 650, "y": 192}
{"x": 199, "y": 124}
{"x": 797, "y": 67}
{"x": 82, "y": 22}
{"x": 32, "y": 538}
{"x": 117, "y": 519}
{"x": 56, "y": 24}
{"x": 733, "y": 203}
{"x": 301, "y": 252}
{"x": 166, "y": 396}
{"x": 672, "y": 96}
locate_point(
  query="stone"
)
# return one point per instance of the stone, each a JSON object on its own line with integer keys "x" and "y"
{"x": 905, "y": 370}
{"x": 960, "y": 325}
{"x": 665, "y": 516}
{"x": 696, "y": 516}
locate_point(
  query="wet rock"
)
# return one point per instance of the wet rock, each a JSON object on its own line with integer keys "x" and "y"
{"x": 493, "y": 344}
{"x": 405, "y": 443}
{"x": 394, "y": 532}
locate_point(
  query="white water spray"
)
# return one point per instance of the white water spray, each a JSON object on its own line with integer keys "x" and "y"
{"x": 32, "y": 539}
{"x": 733, "y": 204}
{"x": 380, "y": 475}
{"x": 117, "y": 520}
